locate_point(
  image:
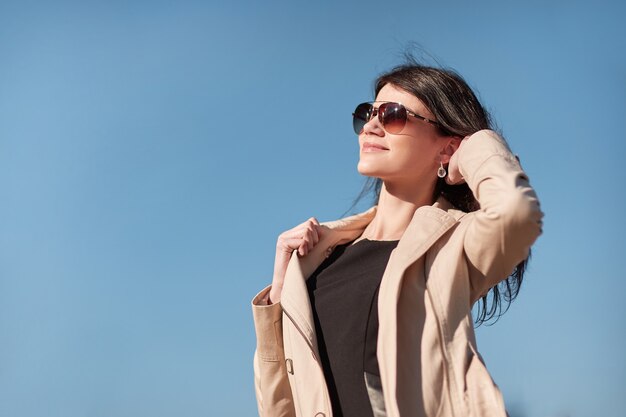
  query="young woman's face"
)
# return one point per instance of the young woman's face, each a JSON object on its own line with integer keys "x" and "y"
{"x": 411, "y": 156}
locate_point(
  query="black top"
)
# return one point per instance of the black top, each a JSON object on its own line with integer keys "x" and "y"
{"x": 344, "y": 298}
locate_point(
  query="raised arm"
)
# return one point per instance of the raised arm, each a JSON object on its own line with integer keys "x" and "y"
{"x": 501, "y": 233}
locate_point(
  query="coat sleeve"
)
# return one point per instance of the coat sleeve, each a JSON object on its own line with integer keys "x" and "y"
{"x": 500, "y": 233}
{"x": 273, "y": 393}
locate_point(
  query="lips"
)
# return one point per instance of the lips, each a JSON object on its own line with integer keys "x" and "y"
{"x": 370, "y": 147}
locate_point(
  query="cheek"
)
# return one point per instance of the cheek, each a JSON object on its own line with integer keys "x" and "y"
{"x": 413, "y": 155}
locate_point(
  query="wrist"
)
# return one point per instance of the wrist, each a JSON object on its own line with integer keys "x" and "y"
{"x": 273, "y": 296}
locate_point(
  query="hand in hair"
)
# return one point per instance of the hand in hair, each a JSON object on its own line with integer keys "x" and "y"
{"x": 454, "y": 174}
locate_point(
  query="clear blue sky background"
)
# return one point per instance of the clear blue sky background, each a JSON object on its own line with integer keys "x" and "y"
{"x": 151, "y": 152}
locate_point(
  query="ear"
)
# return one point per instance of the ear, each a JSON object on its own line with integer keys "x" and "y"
{"x": 451, "y": 147}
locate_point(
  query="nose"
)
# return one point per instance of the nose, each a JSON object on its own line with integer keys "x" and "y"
{"x": 373, "y": 126}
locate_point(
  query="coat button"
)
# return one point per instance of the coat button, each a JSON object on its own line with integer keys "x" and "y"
{"x": 320, "y": 414}
{"x": 329, "y": 251}
{"x": 289, "y": 365}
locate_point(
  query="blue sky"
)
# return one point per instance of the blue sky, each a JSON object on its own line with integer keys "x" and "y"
{"x": 151, "y": 153}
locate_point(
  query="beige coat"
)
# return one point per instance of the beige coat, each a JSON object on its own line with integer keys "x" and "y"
{"x": 445, "y": 261}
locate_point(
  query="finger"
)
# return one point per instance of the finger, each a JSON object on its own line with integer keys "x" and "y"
{"x": 318, "y": 227}
{"x": 293, "y": 237}
{"x": 289, "y": 245}
{"x": 307, "y": 239}
{"x": 315, "y": 226}
{"x": 313, "y": 235}
{"x": 316, "y": 234}
{"x": 307, "y": 233}
{"x": 457, "y": 182}
{"x": 302, "y": 250}
{"x": 320, "y": 230}
{"x": 454, "y": 180}
{"x": 295, "y": 232}
{"x": 312, "y": 239}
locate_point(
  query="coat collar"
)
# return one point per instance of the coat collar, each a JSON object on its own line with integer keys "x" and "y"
{"x": 427, "y": 225}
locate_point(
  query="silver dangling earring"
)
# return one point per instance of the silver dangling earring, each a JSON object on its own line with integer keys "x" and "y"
{"x": 441, "y": 171}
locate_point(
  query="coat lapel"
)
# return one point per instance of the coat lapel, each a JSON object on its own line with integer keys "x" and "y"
{"x": 429, "y": 223}
{"x": 294, "y": 297}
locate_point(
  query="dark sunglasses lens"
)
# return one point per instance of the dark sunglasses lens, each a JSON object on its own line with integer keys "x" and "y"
{"x": 361, "y": 116}
{"x": 393, "y": 117}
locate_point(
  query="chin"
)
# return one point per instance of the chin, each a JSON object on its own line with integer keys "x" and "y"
{"x": 368, "y": 171}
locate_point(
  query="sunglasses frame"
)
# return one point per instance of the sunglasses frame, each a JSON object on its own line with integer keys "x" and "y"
{"x": 374, "y": 111}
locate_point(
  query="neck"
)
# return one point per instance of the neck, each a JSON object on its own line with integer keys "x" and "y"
{"x": 395, "y": 210}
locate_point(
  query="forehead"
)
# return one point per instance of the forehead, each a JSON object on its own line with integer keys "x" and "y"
{"x": 392, "y": 93}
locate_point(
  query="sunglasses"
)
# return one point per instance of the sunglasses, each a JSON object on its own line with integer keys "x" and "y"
{"x": 392, "y": 116}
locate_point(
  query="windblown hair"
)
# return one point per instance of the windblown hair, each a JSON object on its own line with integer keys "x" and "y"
{"x": 459, "y": 113}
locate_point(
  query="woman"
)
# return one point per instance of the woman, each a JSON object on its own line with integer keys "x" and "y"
{"x": 370, "y": 315}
